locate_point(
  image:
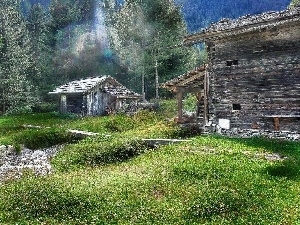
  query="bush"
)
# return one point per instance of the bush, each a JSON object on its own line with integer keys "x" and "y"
{"x": 42, "y": 138}
{"x": 45, "y": 107}
{"x": 98, "y": 151}
{"x": 119, "y": 123}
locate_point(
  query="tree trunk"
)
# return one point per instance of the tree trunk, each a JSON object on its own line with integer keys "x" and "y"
{"x": 156, "y": 80}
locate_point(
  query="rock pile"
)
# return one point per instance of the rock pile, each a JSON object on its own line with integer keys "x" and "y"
{"x": 13, "y": 164}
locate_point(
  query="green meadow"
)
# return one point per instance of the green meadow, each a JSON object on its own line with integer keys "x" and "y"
{"x": 115, "y": 178}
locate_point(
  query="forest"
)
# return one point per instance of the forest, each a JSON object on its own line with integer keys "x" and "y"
{"x": 45, "y": 43}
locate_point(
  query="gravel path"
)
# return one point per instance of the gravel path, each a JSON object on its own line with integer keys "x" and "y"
{"x": 13, "y": 165}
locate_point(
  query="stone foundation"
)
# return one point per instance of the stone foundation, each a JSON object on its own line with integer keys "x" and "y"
{"x": 249, "y": 133}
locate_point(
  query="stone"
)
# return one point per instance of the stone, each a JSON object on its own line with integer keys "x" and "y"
{"x": 38, "y": 161}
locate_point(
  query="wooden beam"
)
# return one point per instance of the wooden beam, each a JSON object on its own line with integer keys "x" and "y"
{"x": 180, "y": 105}
{"x": 276, "y": 124}
{"x": 192, "y": 78}
{"x": 187, "y": 89}
{"x": 63, "y": 104}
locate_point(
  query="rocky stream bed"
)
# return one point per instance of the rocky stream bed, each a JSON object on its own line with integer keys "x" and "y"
{"x": 13, "y": 164}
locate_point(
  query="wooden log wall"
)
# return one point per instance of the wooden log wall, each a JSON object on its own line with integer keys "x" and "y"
{"x": 253, "y": 76}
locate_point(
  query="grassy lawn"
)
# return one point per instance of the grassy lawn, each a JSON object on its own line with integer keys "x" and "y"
{"x": 118, "y": 180}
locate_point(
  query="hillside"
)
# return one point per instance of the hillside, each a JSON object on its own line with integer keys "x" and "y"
{"x": 116, "y": 179}
{"x": 200, "y": 13}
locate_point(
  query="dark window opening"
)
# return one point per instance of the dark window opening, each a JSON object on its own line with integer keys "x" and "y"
{"x": 232, "y": 62}
{"x": 236, "y": 106}
{"x": 229, "y": 63}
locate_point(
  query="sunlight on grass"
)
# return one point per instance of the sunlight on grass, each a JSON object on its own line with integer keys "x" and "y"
{"x": 117, "y": 179}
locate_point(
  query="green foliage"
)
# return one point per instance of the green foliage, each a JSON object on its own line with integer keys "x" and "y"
{"x": 141, "y": 38}
{"x": 119, "y": 123}
{"x": 286, "y": 169}
{"x": 42, "y": 138}
{"x": 294, "y": 3}
{"x": 38, "y": 23}
{"x": 209, "y": 180}
{"x": 45, "y": 107}
{"x": 12, "y": 127}
{"x": 189, "y": 103}
{"x": 116, "y": 179}
{"x": 16, "y": 91}
{"x": 98, "y": 151}
{"x": 168, "y": 108}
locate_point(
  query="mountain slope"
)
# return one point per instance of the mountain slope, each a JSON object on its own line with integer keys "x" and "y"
{"x": 200, "y": 13}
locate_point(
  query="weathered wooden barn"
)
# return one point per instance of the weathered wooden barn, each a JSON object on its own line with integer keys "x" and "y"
{"x": 94, "y": 96}
{"x": 252, "y": 77}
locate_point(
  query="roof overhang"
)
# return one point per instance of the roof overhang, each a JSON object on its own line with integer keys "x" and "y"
{"x": 192, "y": 81}
{"x": 245, "y": 24}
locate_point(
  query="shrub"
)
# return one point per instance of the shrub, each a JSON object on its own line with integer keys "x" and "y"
{"x": 45, "y": 107}
{"x": 41, "y": 138}
{"x": 119, "y": 123}
{"x": 98, "y": 151}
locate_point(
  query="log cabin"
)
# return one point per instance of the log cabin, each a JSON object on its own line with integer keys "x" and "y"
{"x": 252, "y": 76}
{"x": 94, "y": 96}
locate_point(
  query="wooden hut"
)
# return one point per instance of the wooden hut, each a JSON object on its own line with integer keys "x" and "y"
{"x": 94, "y": 96}
{"x": 252, "y": 77}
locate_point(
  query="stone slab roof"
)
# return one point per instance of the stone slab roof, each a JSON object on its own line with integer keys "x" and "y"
{"x": 107, "y": 84}
{"x": 244, "y": 24}
{"x": 190, "y": 80}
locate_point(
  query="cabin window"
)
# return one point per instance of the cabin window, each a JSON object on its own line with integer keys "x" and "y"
{"x": 228, "y": 63}
{"x": 232, "y": 62}
{"x": 236, "y": 106}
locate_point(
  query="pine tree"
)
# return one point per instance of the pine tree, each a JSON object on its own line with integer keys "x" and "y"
{"x": 15, "y": 90}
{"x": 145, "y": 35}
{"x": 294, "y": 3}
{"x": 38, "y": 25}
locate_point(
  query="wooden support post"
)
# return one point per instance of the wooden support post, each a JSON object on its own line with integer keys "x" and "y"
{"x": 180, "y": 106}
{"x": 63, "y": 104}
{"x": 89, "y": 104}
{"x": 276, "y": 123}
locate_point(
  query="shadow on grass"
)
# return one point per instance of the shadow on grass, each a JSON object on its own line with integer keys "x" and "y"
{"x": 288, "y": 168}
{"x": 290, "y": 150}
{"x": 217, "y": 203}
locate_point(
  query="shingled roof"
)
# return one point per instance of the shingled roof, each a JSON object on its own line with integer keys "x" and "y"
{"x": 190, "y": 80}
{"x": 248, "y": 23}
{"x": 86, "y": 85}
